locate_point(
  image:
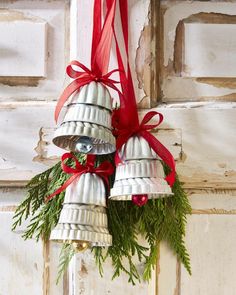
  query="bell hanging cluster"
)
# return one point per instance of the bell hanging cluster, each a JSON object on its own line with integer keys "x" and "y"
{"x": 83, "y": 219}
{"x": 140, "y": 175}
{"x": 86, "y": 126}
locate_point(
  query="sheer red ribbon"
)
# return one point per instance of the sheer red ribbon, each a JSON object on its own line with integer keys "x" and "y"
{"x": 104, "y": 170}
{"x": 125, "y": 120}
{"x": 100, "y": 56}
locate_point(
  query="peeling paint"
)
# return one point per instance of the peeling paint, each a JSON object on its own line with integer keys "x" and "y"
{"x": 20, "y": 81}
{"x": 229, "y": 83}
{"x": 214, "y": 211}
{"x": 143, "y": 58}
{"x": 230, "y": 173}
{"x": 174, "y": 72}
{"x": 14, "y": 15}
{"x": 83, "y": 270}
{"x": 41, "y": 151}
{"x": 146, "y": 59}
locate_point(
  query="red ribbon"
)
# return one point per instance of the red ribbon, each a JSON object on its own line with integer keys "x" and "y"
{"x": 100, "y": 55}
{"x": 143, "y": 129}
{"x": 125, "y": 120}
{"x": 104, "y": 170}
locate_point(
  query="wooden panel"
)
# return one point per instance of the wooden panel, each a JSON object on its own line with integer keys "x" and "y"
{"x": 86, "y": 280}
{"x": 211, "y": 241}
{"x": 22, "y": 272}
{"x": 205, "y": 158}
{"x": 31, "y": 267}
{"x": 35, "y": 140}
{"x": 205, "y": 49}
{"x": 208, "y": 140}
{"x": 197, "y": 46}
{"x": 20, "y": 134}
{"x": 168, "y": 275}
{"x": 23, "y": 49}
{"x": 20, "y": 83}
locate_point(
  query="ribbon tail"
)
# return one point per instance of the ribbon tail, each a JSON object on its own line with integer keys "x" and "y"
{"x": 100, "y": 59}
{"x": 63, "y": 187}
{"x": 163, "y": 153}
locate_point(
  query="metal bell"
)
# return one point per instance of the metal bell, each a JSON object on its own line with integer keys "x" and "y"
{"x": 140, "y": 173}
{"x": 83, "y": 218}
{"x": 88, "y": 116}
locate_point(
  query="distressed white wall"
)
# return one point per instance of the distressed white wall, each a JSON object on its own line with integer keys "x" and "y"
{"x": 198, "y": 97}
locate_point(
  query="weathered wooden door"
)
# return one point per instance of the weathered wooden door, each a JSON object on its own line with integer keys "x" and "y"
{"x": 183, "y": 57}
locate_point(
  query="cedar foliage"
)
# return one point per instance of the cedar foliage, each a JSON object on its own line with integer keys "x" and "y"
{"x": 160, "y": 219}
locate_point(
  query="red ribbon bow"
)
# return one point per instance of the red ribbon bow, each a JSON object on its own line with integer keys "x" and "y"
{"x": 143, "y": 129}
{"x": 104, "y": 170}
{"x": 81, "y": 79}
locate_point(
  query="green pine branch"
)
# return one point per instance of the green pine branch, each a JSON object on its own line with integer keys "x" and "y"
{"x": 43, "y": 215}
{"x": 160, "y": 219}
{"x": 66, "y": 254}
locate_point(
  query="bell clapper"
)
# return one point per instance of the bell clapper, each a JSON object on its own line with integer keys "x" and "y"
{"x": 84, "y": 144}
{"x": 80, "y": 246}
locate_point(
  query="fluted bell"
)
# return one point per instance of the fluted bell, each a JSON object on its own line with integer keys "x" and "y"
{"x": 87, "y": 121}
{"x": 83, "y": 217}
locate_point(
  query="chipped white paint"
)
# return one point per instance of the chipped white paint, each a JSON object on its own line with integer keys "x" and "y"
{"x": 55, "y": 13}
{"x": 207, "y": 43}
{"x": 23, "y": 49}
{"x": 213, "y": 255}
{"x": 200, "y": 135}
{"x": 20, "y": 134}
{"x": 36, "y": 149}
{"x": 179, "y": 86}
{"x": 205, "y": 144}
{"x": 22, "y": 272}
{"x": 83, "y": 272}
{"x": 179, "y": 10}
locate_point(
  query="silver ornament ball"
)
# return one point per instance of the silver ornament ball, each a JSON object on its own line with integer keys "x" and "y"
{"x": 84, "y": 145}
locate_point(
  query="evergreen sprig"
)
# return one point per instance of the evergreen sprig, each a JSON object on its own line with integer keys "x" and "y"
{"x": 43, "y": 216}
{"x": 66, "y": 254}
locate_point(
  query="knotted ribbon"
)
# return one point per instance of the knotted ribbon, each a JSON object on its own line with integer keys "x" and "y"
{"x": 104, "y": 170}
{"x": 100, "y": 55}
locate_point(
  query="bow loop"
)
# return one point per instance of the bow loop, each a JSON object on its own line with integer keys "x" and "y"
{"x": 147, "y": 118}
{"x": 73, "y": 73}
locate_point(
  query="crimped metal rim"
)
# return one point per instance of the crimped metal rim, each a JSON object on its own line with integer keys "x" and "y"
{"x": 95, "y": 236}
{"x": 153, "y": 187}
{"x": 69, "y": 133}
{"x": 139, "y": 169}
{"x": 88, "y": 113}
{"x": 93, "y": 93}
{"x": 82, "y": 217}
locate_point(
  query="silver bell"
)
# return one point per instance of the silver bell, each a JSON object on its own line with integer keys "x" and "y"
{"x": 87, "y": 117}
